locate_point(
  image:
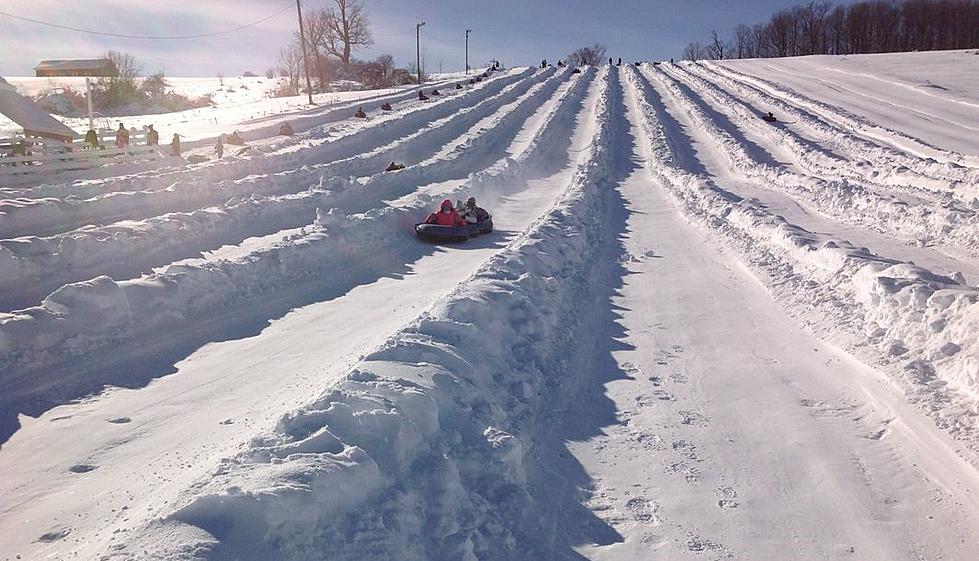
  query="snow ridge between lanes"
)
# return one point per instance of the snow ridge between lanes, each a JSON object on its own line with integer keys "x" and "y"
{"x": 393, "y": 458}
{"x": 913, "y": 323}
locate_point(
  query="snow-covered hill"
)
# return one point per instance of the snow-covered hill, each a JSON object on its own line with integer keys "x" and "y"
{"x": 694, "y": 334}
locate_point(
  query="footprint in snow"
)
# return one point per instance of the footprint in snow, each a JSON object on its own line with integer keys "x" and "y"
{"x": 642, "y": 510}
{"x": 678, "y": 377}
{"x": 700, "y": 544}
{"x": 120, "y": 420}
{"x": 691, "y": 474}
{"x": 645, "y": 400}
{"x": 726, "y": 497}
{"x": 686, "y": 449}
{"x": 694, "y": 419}
{"x": 82, "y": 468}
{"x": 648, "y": 440}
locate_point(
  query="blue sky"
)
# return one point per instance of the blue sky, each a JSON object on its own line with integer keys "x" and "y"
{"x": 515, "y": 32}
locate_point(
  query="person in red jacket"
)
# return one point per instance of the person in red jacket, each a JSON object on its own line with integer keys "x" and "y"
{"x": 446, "y": 216}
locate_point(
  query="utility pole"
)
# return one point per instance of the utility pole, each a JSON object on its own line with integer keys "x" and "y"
{"x": 418, "y": 50}
{"x": 302, "y": 39}
{"x": 468, "y": 31}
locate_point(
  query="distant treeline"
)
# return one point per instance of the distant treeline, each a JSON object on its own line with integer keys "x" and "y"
{"x": 876, "y": 26}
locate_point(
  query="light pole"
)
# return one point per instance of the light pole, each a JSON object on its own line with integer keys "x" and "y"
{"x": 418, "y": 50}
{"x": 468, "y": 31}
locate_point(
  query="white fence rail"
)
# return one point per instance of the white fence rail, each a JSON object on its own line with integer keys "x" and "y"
{"x": 28, "y": 159}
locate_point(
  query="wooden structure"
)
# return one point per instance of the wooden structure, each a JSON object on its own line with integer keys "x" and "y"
{"x": 80, "y": 67}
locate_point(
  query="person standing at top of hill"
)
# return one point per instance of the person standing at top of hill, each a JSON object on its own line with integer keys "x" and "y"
{"x": 152, "y": 137}
{"x": 122, "y": 136}
{"x": 175, "y": 146}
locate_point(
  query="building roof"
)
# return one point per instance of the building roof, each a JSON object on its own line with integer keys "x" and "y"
{"x": 29, "y": 115}
{"x": 93, "y": 64}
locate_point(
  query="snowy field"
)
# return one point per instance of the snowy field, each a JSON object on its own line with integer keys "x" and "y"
{"x": 692, "y": 335}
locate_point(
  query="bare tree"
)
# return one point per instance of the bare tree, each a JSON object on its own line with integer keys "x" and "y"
{"x": 126, "y": 65}
{"x": 592, "y": 55}
{"x": 290, "y": 64}
{"x": 717, "y": 47}
{"x": 742, "y": 43}
{"x": 316, "y": 25}
{"x": 386, "y": 64}
{"x": 347, "y": 29}
{"x": 694, "y": 51}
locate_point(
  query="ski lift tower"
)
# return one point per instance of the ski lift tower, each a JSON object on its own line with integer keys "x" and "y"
{"x": 87, "y": 68}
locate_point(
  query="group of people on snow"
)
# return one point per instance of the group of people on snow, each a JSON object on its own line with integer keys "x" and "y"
{"x": 123, "y": 138}
{"x": 449, "y": 215}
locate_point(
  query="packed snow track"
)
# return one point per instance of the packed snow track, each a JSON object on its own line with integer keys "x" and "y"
{"x": 693, "y": 334}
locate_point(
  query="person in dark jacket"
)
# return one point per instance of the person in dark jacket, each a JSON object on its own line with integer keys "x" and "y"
{"x": 422, "y": 96}
{"x": 152, "y": 137}
{"x": 472, "y": 213}
{"x": 770, "y": 118}
{"x": 92, "y": 139}
{"x": 219, "y": 147}
{"x": 175, "y": 146}
{"x": 360, "y": 113}
{"x": 285, "y": 129}
{"x": 386, "y": 106}
{"x": 446, "y": 215}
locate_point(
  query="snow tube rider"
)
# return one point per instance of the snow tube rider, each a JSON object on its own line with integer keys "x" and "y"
{"x": 446, "y": 216}
{"x": 472, "y": 213}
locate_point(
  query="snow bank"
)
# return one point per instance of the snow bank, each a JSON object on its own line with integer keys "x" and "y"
{"x": 917, "y": 324}
{"x": 422, "y": 450}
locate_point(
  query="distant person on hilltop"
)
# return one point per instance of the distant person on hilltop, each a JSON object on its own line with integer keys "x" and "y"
{"x": 152, "y": 137}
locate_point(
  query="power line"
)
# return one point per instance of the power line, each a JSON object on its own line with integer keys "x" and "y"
{"x": 148, "y": 37}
